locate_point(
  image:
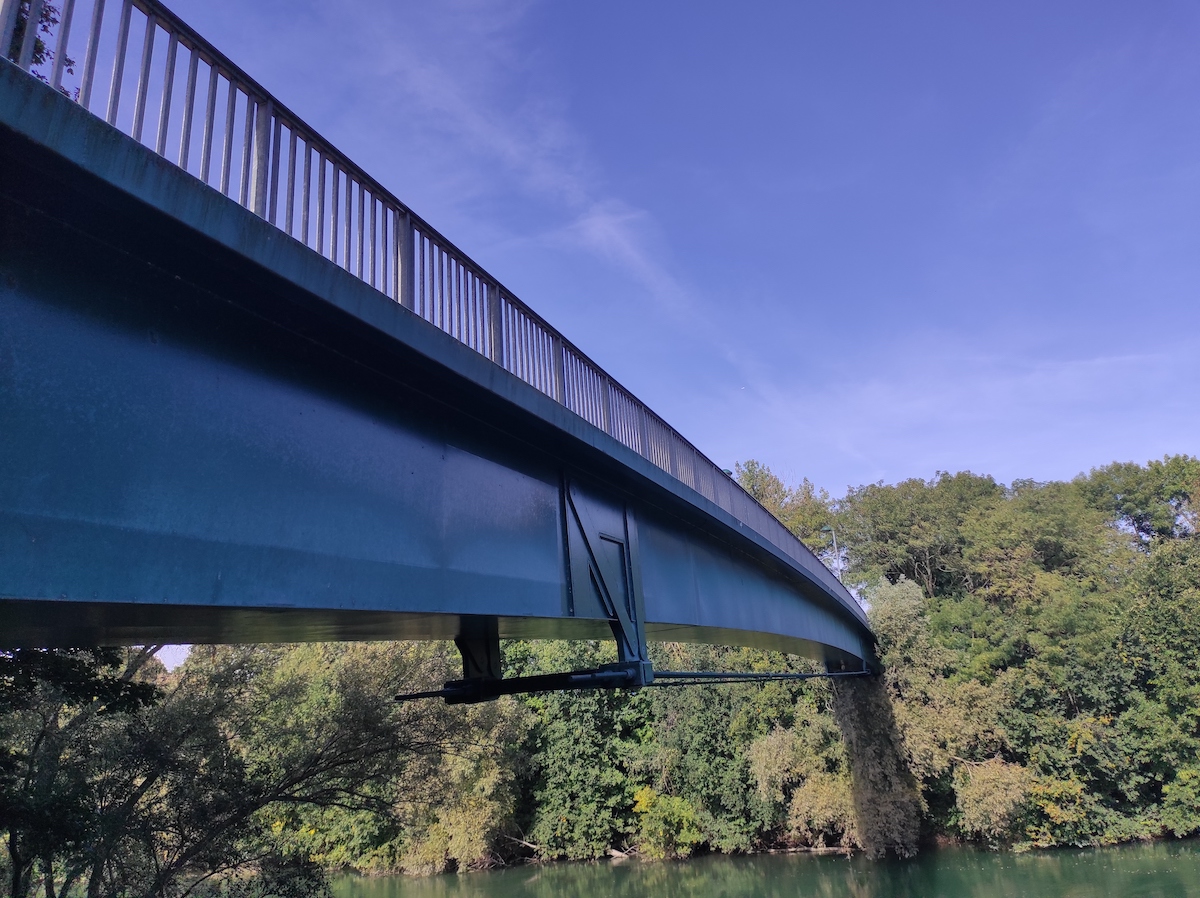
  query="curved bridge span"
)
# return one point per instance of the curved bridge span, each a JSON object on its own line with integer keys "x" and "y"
{"x": 248, "y": 395}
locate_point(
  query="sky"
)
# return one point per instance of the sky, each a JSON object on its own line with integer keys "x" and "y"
{"x": 856, "y": 241}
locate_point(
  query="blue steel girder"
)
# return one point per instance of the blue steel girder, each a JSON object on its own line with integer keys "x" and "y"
{"x": 210, "y": 433}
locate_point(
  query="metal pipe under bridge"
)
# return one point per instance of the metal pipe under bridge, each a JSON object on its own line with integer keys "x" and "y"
{"x": 246, "y": 394}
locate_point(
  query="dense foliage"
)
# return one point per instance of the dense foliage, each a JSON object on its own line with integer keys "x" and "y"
{"x": 1041, "y": 688}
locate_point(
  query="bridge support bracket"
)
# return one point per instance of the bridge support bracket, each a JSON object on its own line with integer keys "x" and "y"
{"x": 472, "y": 690}
{"x": 478, "y": 642}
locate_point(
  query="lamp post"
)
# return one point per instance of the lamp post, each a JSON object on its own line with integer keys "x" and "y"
{"x": 837, "y": 555}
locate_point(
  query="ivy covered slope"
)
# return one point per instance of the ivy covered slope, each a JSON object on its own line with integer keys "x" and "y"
{"x": 1042, "y": 645}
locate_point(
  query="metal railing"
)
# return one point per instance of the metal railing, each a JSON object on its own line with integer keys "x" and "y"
{"x": 146, "y": 72}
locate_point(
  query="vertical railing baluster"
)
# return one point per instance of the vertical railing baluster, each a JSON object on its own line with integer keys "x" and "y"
{"x": 523, "y": 334}
{"x": 362, "y": 221}
{"x": 306, "y": 191}
{"x": 397, "y": 262}
{"x": 405, "y": 273}
{"x": 439, "y": 285}
{"x": 424, "y": 249}
{"x": 9, "y": 10}
{"x": 29, "y": 41}
{"x": 143, "y": 82}
{"x": 60, "y": 47}
{"x": 164, "y": 107}
{"x": 189, "y": 103}
{"x": 385, "y": 244}
{"x": 249, "y": 157}
{"x": 527, "y": 371}
{"x": 275, "y": 153}
{"x": 470, "y": 332}
{"x": 374, "y": 237}
{"x": 88, "y": 75}
{"x": 227, "y": 148}
{"x": 481, "y": 335}
{"x": 289, "y": 214}
{"x": 210, "y": 120}
{"x": 558, "y": 366}
{"x": 606, "y": 414}
{"x": 321, "y": 202}
{"x": 511, "y": 347}
{"x": 516, "y": 338}
{"x": 429, "y": 260}
{"x": 430, "y": 286}
{"x": 333, "y": 205}
{"x": 536, "y": 363}
{"x": 495, "y": 324}
{"x": 258, "y": 154}
{"x": 118, "y": 73}
{"x": 428, "y": 277}
{"x": 533, "y": 354}
{"x": 459, "y": 302}
{"x": 347, "y": 225}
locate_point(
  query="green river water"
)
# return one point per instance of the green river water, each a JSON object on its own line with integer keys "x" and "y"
{"x": 1165, "y": 870}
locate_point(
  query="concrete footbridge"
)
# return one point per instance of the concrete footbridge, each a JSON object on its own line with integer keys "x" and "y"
{"x": 246, "y": 394}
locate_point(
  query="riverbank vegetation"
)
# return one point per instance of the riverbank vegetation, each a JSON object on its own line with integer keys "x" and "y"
{"x": 1040, "y": 646}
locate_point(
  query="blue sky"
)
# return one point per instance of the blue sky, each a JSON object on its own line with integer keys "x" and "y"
{"x": 857, "y": 241}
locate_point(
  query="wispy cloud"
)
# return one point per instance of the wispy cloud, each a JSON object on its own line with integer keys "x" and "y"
{"x": 468, "y": 86}
{"x": 921, "y": 411}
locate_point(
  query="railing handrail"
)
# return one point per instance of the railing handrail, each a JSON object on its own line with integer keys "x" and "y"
{"x": 481, "y": 311}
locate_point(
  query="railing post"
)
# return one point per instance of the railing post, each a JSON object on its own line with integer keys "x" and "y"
{"x": 407, "y": 274}
{"x": 558, "y": 373}
{"x": 606, "y": 422}
{"x": 273, "y": 189}
{"x": 8, "y": 23}
{"x": 263, "y": 112}
{"x": 118, "y": 73}
{"x": 25, "y": 58}
{"x": 60, "y": 51}
{"x": 644, "y": 431}
{"x": 89, "y": 59}
{"x": 495, "y": 319}
{"x": 143, "y": 80}
{"x": 164, "y": 106}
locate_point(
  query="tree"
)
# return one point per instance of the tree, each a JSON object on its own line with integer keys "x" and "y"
{"x": 914, "y": 529}
{"x": 56, "y": 707}
{"x": 1154, "y": 501}
{"x": 803, "y": 509}
{"x": 581, "y": 745}
{"x": 189, "y": 791}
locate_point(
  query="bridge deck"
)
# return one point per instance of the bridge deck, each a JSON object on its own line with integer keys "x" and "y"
{"x": 213, "y": 433}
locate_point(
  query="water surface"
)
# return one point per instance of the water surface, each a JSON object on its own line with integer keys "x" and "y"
{"x": 1165, "y": 870}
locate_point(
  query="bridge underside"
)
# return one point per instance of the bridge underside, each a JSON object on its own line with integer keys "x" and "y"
{"x": 210, "y": 434}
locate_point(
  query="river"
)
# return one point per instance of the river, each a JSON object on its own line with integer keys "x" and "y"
{"x": 1163, "y": 870}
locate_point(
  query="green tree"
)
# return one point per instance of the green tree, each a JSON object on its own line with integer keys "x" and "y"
{"x": 803, "y": 508}
{"x": 1155, "y": 501}
{"x": 914, "y": 529}
{"x": 56, "y": 707}
{"x": 580, "y": 746}
{"x": 202, "y": 786}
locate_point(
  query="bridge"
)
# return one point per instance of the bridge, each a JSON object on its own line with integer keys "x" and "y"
{"x": 247, "y": 394}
